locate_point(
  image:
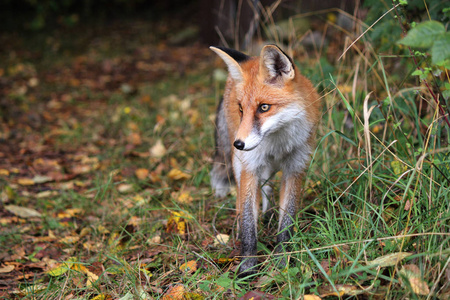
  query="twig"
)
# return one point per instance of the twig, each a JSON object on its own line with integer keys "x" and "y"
{"x": 370, "y": 27}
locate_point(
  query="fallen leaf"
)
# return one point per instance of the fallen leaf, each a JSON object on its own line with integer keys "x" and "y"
{"x": 389, "y": 259}
{"x": 60, "y": 269}
{"x": 91, "y": 277}
{"x": 158, "y": 150}
{"x": 341, "y": 290}
{"x": 69, "y": 239}
{"x": 102, "y": 297}
{"x": 4, "y": 172}
{"x": 38, "y": 179}
{"x": 398, "y": 167}
{"x": 124, "y": 188}
{"x": 141, "y": 173}
{"x": 311, "y": 297}
{"x": 155, "y": 240}
{"x": 135, "y": 138}
{"x": 221, "y": 239}
{"x": 25, "y": 181}
{"x": 176, "y": 174}
{"x": 176, "y": 223}
{"x": 174, "y": 293}
{"x": 189, "y": 267}
{"x": 22, "y": 212}
{"x": 413, "y": 276}
{"x": 257, "y": 295}
{"x": 7, "y": 269}
{"x": 185, "y": 197}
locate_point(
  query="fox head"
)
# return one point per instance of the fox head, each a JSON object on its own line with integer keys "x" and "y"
{"x": 265, "y": 94}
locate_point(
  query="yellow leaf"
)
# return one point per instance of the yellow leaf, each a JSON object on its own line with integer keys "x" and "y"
{"x": 74, "y": 211}
{"x": 176, "y": 174}
{"x": 189, "y": 267}
{"x": 25, "y": 181}
{"x": 389, "y": 259}
{"x": 33, "y": 289}
{"x": 311, "y": 297}
{"x": 60, "y": 269}
{"x": 221, "y": 239}
{"x": 4, "y": 172}
{"x": 91, "y": 278}
{"x": 102, "y": 229}
{"x": 398, "y": 167}
{"x": 102, "y": 297}
{"x": 69, "y": 239}
{"x": 185, "y": 198}
{"x": 141, "y": 173}
{"x": 177, "y": 223}
{"x": 85, "y": 231}
{"x": 345, "y": 89}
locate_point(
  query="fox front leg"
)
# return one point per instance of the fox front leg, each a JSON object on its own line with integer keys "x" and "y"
{"x": 248, "y": 201}
{"x": 289, "y": 196}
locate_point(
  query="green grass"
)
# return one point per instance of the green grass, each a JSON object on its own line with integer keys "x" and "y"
{"x": 377, "y": 185}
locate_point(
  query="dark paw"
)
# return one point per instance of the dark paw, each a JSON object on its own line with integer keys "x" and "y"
{"x": 248, "y": 267}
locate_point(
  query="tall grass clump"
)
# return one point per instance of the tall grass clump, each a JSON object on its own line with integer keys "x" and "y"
{"x": 375, "y": 216}
{"x": 379, "y": 179}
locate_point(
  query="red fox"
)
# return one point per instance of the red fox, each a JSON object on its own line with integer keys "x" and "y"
{"x": 265, "y": 123}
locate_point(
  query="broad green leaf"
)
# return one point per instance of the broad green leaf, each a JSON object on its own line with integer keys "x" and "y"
{"x": 441, "y": 49}
{"x": 424, "y": 34}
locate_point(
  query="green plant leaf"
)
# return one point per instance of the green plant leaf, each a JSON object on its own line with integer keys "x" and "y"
{"x": 441, "y": 49}
{"x": 424, "y": 34}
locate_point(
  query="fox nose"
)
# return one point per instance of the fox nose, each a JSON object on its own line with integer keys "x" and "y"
{"x": 239, "y": 144}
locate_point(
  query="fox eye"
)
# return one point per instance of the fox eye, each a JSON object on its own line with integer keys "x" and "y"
{"x": 264, "y": 107}
{"x": 240, "y": 108}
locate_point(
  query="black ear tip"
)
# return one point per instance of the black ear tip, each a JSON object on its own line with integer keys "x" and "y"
{"x": 239, "y": 57}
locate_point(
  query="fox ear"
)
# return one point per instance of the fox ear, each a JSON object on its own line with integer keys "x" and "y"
{"x": 232, "y": 58}
{"x": 275, "y": 66}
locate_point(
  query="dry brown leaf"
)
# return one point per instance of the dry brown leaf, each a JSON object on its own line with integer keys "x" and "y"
{"x": 124, "y": 188}
{"x": 7, "y": 269}
{"x": 342, "y": 289}
{"x": 141, "y": 173}
{"x": 413, "y": 276}
{"x": 135, "y": 138}
{"x": 23, "y": 212}
{"x": 389, "y": 259}
{"x": 175, "y": 293}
